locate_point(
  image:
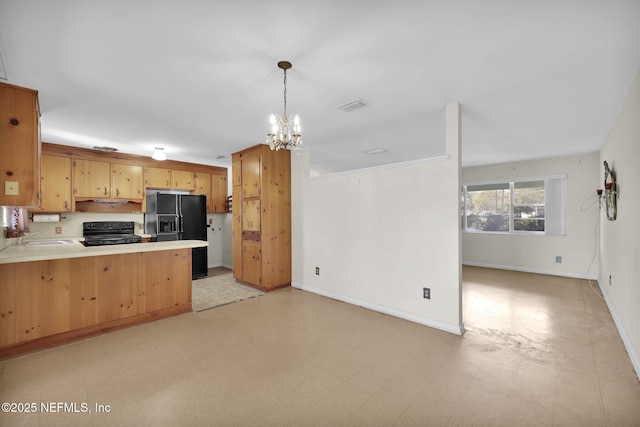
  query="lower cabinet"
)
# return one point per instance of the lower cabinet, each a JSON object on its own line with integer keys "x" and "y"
{"x": 79, "y": 296}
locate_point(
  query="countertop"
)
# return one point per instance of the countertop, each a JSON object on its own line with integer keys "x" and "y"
{"x": 75, "y": 249}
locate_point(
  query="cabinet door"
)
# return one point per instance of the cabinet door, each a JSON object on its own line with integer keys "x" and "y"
{"x": 236, "y": 170}
{"x": 56, "y": 184}
{"x": 19, "y": 147}
{"x": 251, "y": 215}
{"x": 250, "y": 170}
{"x": 182, "y": 180}
{"x": 236, "y": 229}
{"x": 252, "y": 263}
{"x": 127, "y": 182}
{"x": 158, "y": 178}
{"x": 92, "y": 178}
{"x": 203, "y": 186}
{"x": 219, "y": 193}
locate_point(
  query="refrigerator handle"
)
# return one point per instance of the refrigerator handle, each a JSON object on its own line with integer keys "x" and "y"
{"x": 180, "y": 217}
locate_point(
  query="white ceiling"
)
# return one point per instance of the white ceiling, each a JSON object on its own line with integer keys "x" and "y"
{"x": 535, "y": 78}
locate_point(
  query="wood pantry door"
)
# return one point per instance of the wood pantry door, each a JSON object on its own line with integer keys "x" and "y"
{"x": 251, "y": 242}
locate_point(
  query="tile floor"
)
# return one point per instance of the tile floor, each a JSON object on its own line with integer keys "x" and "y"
{"x": 219, "y": 288}
{"x": 539, "y": 350}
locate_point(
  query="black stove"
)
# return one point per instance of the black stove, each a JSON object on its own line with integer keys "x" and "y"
{"x": 100, "y": 233}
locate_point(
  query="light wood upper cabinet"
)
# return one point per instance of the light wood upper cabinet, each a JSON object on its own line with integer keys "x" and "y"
{"x": 56, "y": 184}
{"x": 219, "y": 193}
{"x": 101, "y": 182}
{"x": 105, "y": 180}
{"x": 128, "y": 181}
{"x": 19, "y": 146}
{"x": 250, "y": 174}
{"x": 203, "y": 186}
{"x": 158, "y": 178}
{"x": 183, "y": 180}
{"x": 236, "y": 170}
{"x": 92, "y": 178}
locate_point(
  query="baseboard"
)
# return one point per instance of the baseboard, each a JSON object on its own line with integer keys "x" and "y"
{"x": 454, "y": 329}
{"x": 633, "y": 354}
{"x": 530, "y": 270}
{"x": 220, "y": 264}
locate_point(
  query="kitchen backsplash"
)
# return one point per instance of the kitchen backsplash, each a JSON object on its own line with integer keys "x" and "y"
{"x": 71, "y": 224}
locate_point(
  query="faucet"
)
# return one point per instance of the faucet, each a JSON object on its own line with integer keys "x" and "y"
{"x": 21, "y": 238}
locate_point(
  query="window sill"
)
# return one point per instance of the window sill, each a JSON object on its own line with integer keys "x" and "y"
{"x": 508, "y": 233}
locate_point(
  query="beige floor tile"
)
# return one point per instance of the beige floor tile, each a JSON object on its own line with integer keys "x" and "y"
{"x": 539, "y": 350}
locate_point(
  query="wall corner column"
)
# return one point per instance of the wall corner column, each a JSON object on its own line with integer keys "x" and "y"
{"x": 453, "y": 143}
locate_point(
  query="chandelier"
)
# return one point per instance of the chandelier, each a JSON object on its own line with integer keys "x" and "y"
{"x": 285, "y": 130}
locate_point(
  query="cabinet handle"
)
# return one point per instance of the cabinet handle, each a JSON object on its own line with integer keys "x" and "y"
{"x": 117, "y": 192}
{"x": 105, "y": 191}
{"x": 66, "y": 205}
{"x": 14, "y": 121}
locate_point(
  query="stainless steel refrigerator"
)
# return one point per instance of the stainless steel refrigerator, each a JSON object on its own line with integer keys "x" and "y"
{"x": 174, "y": 216}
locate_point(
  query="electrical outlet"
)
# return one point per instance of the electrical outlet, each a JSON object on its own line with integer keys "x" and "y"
{"x": 610, "y": 280}
{"x": 426, "y": 293}
{"x": 11, "y": 188}
{"x": 558, "y": 260}
{"x": 317, "y": 271}
{"x": 58, "y": 230}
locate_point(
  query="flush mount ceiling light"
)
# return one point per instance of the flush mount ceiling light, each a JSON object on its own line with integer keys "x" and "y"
{"x": 159, "y": 154}
{"x": 105, "y": 149}
{"x": 285, "y": 130}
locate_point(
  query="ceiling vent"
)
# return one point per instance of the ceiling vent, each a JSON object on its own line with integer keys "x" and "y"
{"x": 352, "y": 105}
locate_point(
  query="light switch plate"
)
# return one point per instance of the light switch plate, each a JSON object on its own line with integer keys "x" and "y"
{"x": 11, "y": 188}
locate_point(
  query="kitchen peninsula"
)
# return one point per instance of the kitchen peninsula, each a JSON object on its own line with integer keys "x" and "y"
{"x": 53, "y": 292}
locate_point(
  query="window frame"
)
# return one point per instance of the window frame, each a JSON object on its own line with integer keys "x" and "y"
{"x": 511, "y": 185}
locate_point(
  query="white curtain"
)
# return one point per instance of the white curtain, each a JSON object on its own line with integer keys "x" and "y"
{"x": 555, "y": 209}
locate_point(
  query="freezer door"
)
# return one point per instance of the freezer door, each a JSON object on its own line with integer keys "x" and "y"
{"x": 166, "y": 204}
{"x": 193, "y": 217}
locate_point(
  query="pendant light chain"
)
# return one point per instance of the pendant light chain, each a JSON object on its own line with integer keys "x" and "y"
{"x": 285, "y": 93}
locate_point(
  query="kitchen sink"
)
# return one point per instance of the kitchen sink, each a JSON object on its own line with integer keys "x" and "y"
{"x": 48, "y": 242}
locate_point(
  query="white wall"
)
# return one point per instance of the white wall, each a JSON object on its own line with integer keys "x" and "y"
{"x": 620, "y": 239}
{"x": 216, "y": 235}
{"x": 537, "y": 253}
{"x": 382, "y": 234}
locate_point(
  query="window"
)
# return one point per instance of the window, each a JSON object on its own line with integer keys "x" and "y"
{"x": 523, "y": 206}
{"x": 528, "y": 206}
